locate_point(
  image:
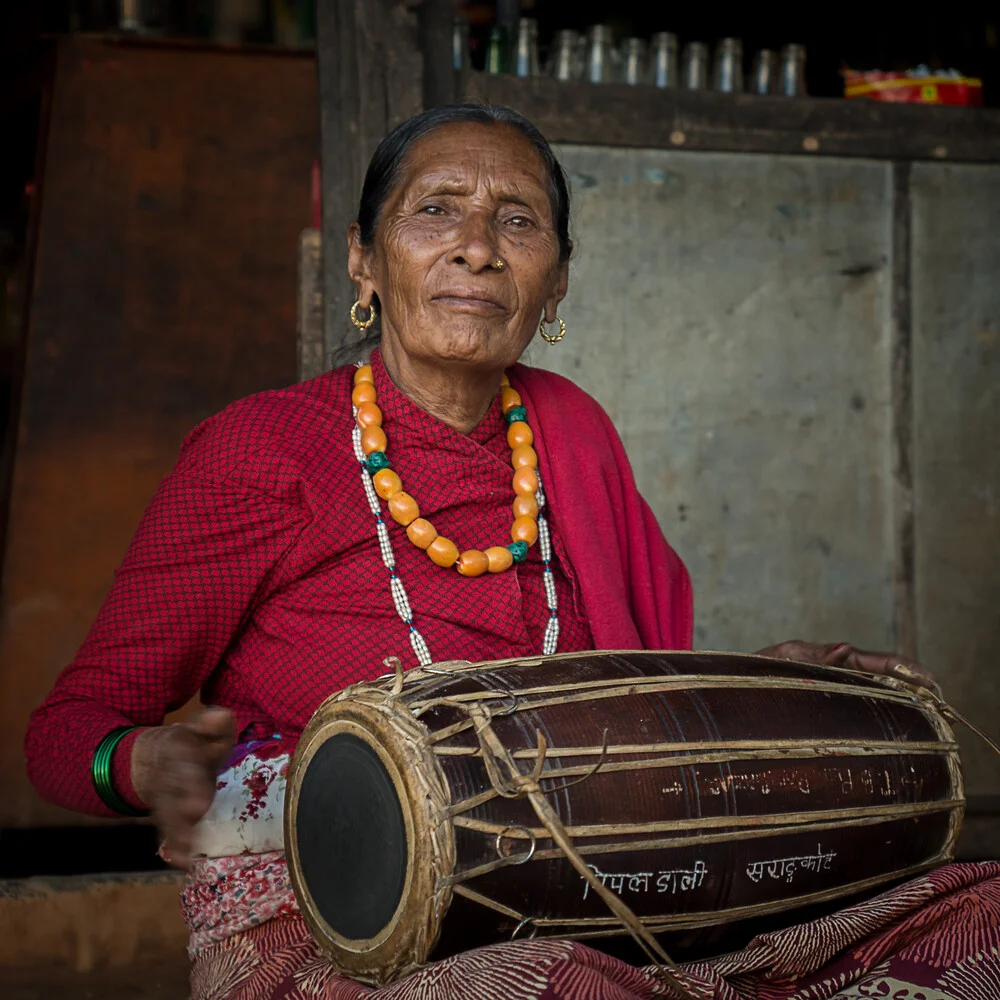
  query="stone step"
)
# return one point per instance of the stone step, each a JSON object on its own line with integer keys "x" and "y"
{"x": 112, "y": 936}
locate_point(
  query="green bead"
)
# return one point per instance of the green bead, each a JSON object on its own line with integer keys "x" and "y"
{"x": 518, "y": 413}
{"x": 377, "y": 460}
{"x": 519, "y": 550}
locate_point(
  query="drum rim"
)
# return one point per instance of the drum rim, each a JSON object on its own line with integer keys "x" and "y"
{"x": 407, "y": 939}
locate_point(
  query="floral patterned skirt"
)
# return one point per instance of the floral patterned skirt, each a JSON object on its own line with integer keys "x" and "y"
{"x": 936, "y": 937}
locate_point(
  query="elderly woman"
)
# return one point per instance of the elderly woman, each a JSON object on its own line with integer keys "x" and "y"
{"x": 397, "y": 509}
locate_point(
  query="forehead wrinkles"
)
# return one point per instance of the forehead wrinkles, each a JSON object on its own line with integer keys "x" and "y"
{"x": 484, "y": 172}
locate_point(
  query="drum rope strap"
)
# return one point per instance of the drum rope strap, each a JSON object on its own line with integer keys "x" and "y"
{"x": 508, "y": 781}
{"x": 520, "y": 785}
{"x": 955, "y": 716}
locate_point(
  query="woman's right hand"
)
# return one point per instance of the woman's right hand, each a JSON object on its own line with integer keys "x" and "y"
{"x": 174, "y": 771}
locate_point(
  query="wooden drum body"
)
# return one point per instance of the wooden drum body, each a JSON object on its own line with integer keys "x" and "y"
{"x": 698, "y": 788}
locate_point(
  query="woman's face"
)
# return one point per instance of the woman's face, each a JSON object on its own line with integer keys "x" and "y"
{"x": 467, "y": 196}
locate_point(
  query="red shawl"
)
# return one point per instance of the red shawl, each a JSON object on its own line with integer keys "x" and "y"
{"x": 636, "y": 590}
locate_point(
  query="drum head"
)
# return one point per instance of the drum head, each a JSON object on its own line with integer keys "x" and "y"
{"x": 364, "y": 854}
{"x": 351, "y": 837}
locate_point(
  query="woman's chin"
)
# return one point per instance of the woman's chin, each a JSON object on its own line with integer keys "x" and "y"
{"x": 469, "y": 343}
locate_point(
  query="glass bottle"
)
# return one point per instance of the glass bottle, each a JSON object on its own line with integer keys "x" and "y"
{"x": 727, "y": 71}
{"x": 663, "y": 64}
{"x": 793, "y": 71}
{"x": 564, "y": 61}
{"x": 460, "y": 44}
{"x": 526, "y": 56}
{"x": 599, "y": 67}
{"x": 634, "y": 61}
{"x": 496, "y": 52}
{"x": 694, "y": 66}
{"x": 764, "y": 73}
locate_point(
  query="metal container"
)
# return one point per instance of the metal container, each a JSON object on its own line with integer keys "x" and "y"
{"x": 496, "y": 51}
{"x": 793, "y": 71}
{"x": 633, "y": 70}
{"x": 460, "y": 44}
{"x": 141, "y": 16}
{"x": 565, "y": 61}
{"x": 764, "y": 73}
{"x": 727, "y": 70}
{"x": 526, "y": 53}
{"x": 663, "y": 63}
{"x": 600, "y": 61}
{"x": 694, "y": 66}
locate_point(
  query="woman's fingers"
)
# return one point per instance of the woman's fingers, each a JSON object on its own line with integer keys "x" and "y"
{"x": 217, "y": 728}
{"x": 892, "y": 666}
{"x": 215, "y": 724}
{"x": 843, "y": 654}
{"x": 183, "y": 795}
{"x": 181, "y": 785}
{"x": 796, "y": 649}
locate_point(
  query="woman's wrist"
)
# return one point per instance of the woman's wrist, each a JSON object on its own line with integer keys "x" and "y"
{"x": 140, "y": 763}
{"x": 111, "y": 772}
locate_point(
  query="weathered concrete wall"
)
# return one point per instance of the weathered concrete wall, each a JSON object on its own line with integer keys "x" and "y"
{"x": 956, "y": 381}
{"x": 732, "y": 314}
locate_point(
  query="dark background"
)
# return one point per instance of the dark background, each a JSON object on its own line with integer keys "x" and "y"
{"x": 888, "y": 37}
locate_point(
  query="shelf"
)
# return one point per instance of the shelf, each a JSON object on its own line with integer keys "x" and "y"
{"x": 619, "y": 115}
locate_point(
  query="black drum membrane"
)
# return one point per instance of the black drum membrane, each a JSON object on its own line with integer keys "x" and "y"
{"x": 351, "y": 837}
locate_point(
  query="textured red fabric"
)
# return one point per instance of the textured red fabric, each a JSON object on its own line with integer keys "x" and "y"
{"x": 636, "y": 591}
{"x": 255, "y": 577}
{"x": 937, "y": 937}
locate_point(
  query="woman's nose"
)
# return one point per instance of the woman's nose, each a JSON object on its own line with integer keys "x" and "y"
{"x": 476, "y": 245}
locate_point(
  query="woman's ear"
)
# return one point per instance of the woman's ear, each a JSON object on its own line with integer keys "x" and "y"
{"x": 359, "y": 266}
{"x": 558, "y": 292}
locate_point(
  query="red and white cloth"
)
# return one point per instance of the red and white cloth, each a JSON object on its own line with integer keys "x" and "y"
{"x": 935, "y": 938}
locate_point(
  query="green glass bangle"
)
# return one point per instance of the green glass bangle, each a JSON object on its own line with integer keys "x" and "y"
{"x": 100, "y": 770}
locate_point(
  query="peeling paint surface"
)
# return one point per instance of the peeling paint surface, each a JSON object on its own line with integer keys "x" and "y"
{"x": 731, "y": 312}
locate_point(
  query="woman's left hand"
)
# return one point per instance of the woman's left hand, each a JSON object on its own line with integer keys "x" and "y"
{"x": 843, "y": 654}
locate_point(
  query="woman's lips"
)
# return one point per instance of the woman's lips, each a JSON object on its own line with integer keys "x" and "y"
{"x": 469, "y": 302}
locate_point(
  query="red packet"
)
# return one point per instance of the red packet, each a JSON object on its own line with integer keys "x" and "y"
{"x": 919, "y": 86}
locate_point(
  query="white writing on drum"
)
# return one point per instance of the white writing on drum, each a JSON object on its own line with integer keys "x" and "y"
{"x": 786, "y": 868}
{"x": 684, "y": 879}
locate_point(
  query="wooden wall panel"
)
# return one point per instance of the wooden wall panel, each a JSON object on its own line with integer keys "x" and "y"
{"x": 956, "y": 391}
{"x": 176, "y": 185}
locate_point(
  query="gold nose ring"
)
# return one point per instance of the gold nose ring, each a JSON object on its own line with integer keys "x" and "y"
{"x": 500, "y": 264}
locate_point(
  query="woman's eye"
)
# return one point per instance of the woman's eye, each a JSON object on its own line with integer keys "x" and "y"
{"x": 432, "y": 210}
{"x": 519, "y": 221}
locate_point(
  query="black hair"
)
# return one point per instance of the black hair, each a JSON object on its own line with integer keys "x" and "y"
{"x": 383, "y": 169}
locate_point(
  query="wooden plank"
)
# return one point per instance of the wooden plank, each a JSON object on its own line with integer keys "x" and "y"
{"x": 618, "y": 115}
{"x": 436, "y": 20}
{"x": 370, "y": 79}
{"x": 901, "y": 349}
{"x": 176, "y": 185}
{"x": 312, "y": 354}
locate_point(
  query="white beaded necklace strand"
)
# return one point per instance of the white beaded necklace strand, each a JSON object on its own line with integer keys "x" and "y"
{"x": 401, "y": 600}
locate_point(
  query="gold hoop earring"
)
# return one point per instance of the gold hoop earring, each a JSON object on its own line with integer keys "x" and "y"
{"x": 359, "y": 323}
{"x": 548, "y": 337}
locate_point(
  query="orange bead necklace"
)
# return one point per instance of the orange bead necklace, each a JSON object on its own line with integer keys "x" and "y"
{"x": 371, "y": 444}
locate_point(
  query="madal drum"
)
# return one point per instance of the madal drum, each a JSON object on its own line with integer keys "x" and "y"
{"x": 429, "y": 812}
